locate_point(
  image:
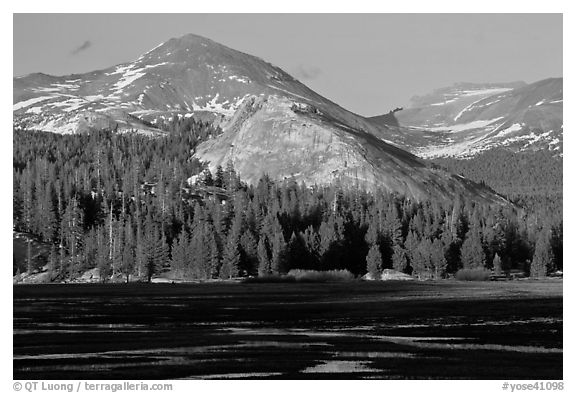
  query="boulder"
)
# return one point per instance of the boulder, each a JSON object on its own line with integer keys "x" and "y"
{"x": 389, "y": 275}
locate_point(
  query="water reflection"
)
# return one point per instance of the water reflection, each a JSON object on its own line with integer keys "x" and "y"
{"x": 341, "y": 366}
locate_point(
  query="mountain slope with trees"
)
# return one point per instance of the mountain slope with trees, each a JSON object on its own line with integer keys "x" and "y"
{"x": 121, "y": 203}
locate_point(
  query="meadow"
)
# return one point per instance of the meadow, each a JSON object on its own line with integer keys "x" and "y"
{"x": 341, "y": 330}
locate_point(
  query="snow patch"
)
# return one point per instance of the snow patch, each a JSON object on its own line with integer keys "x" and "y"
{"x": 66, "y": 86}
{"x": 218, "y": 107}
{"x": 468, "y": 93}
{"x": 31, "y": 101}
{"x": 513, "y": 128}
{"x": 463, "y": 127}
{"x": 46, "y": 89}
{"x": 57, "y": 127}
{"x": 444, "y": 102}
{"x": 120, "y": 69}
{"x": 467, "y": 108}
{"x": 241, "y": 79}
{"x": 74, "y": 104}
{"x": 37, "y": 110}
{"x": 129, "y": 75}
{"x": 94, "y": 97}
{"x": 127, "y": 79}
{"x": 488, "y": 103}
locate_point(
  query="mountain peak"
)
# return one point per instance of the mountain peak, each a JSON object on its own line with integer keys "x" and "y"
{"x": 185, "y": 46}
{"x": 189, "y": 41}
{"x": 191, "y": 38}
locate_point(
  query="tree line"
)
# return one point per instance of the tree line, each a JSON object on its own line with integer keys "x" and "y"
{"x": 85, "y": 195}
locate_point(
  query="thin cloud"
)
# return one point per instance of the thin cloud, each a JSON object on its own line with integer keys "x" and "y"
{"x": 307, "y": 72}
{"x": 87, "y": 44}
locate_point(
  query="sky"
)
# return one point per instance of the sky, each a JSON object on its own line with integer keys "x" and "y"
{"x": 367, "y": 63}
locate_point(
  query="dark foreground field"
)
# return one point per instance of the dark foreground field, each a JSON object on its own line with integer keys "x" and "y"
{"x": 490, "y": 330}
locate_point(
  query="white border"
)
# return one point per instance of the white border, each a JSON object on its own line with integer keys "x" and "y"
{"x": 299, "y": 6}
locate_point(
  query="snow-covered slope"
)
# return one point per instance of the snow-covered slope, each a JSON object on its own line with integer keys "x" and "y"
{"x": 182, "y": 76}
{"x": 466, "y": 119}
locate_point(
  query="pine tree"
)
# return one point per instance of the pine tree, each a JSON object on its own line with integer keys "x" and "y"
{"x": 219, "y": 177}
{"x": 249, "y": 248}
{"x": 29, "y": 264}
{"x": 296, "y": 253}
{"x": 197, "y": 265}
{"x": 451, "y": 245}
{"x": 155, "y": 251}
{"x": 374, "y": 262}
{"x": 231, "y": 258}
{"x": 230, "y": 177}
{"x": 128, "y": 253}
{"x": 278, "y": 264}
{"x": 439, "y": 263}
{"x": 28, "y": 202}
{"x": 162, "y": 255}
{"x": 400, "y": 259}
{"x": 472, "y": 252}
{"x": 90, "y": 251}
{"x": 103, "y": 262}
{"x": 204, "y": 253}
{"x": 392, "y": 226}
{"x": 411, "y": 245}
{"x": 179, "y": 262}
{"x": 47, "y": 216}
{"x": 140, "y": 252}
{"x": 543, "y": 259}
{"x": 210, "y": 253}
{"x": 422, "y": 259}
{"x": 264, "y": 267}
{"x": 387, "y": 251}
{"x": 150, "y": 267}
{"x": 128, "y": 262}
{"x": 331, "y": 242}
{"x": 53, "y": 262}
{"x": 72, "y": 234}
{"x": 373, "y": 234}
{"x": 312, "y": 244}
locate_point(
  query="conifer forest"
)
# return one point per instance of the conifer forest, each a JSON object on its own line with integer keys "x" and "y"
{"x": 122, "y": 202}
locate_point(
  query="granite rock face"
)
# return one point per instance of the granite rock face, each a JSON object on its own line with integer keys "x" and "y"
{"x": 290, "y": 140}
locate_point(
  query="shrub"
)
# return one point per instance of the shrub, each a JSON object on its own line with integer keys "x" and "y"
{"x": 320, "y": 276}
{"x": 476, "y": 274}
{"x": 269, "y": 278}
{"x": 298, "y": 275}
